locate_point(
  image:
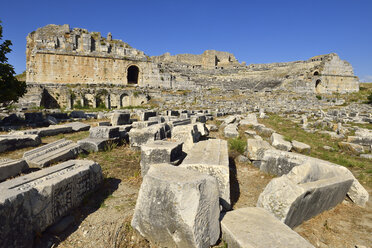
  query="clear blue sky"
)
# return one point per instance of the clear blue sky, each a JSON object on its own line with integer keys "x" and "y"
{"x": 256, "y": 31}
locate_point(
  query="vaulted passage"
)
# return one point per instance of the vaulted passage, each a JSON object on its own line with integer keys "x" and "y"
{"x": 132, "y": 74}
{"x": 318, "y": 86}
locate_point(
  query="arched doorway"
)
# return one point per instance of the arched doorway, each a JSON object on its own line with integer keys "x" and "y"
{"x": 316, "y": 73}
{"x": 132, "y": 74}
{"x": 318, "y": 86}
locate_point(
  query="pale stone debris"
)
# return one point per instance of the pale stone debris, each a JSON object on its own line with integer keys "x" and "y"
{"x": 60, "y": 150}
{"x": 257, "y": 228}
{"x": 211, "y": 157}
{"x": 278, "y": 162}
{"x": 177, "y": 207}
{"x": 14, "y": 142}
{"x": 250, "y": 119}
{"x": 231, "y": 131}
{"x": 29, "y": 204}
{"x": 139, "y": 137}
{"x": 188, "y": 134}
{"x": 279, "y": 143}
{"x": 11, "y": 168}
{"x": 307, "y": 190}
{"x": 300, "y": 147}
{"x": 46, "y": 131}
{"x": 78, "y": 126}
{"x": 101, "y": 138}
{"x": 159, "y": 151}
{"x": 255, "y": 145}
{"x": 119, "y": 118}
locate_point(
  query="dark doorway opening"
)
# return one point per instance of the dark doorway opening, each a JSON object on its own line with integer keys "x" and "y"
{"x": 316, "y": 73}
{"x": 132, "y": 74}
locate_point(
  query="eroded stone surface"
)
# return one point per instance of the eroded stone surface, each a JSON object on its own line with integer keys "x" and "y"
{"x": 29, "y": 204}
{"x": 177, "y": 207}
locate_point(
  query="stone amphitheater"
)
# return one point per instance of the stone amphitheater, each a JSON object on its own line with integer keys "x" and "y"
{"x": 113, "y": 148}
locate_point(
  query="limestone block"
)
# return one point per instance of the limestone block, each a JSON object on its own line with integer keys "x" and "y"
{"x": 46, "y": 131}
{"x": 104, "y": 132}
{"x": 307, "y": 190}
{"x": 159, "y": 151}
{"x": 60, "y": 150}
{"x": 139, "y": 137}
{"x": 97, "y": 144}
{"x": 211, "y": 157}
{"x": 144, "y": 116}
{"x": 231, "y": 131}
{"x": 361, "y": 140}
{"x": 257, "y": 228}
{"x": 277, "y": 162}
{"x": 181, "y": 122}
{"x": 120, "y": 119}
{"x": 13, "y": 142}
{"x": 30, "y": 203}
{"x": 278, "y": 142}
{"x": 177, "y": 207}
{"x": 78, "y": 126}
{"x": 11, "y": 168}
{"x": 265, "y": 131}
{"x": 300, "y": 147}
{"x": 251, "y": 119}
{"x": 351, "y": 147}
{"x": 143, "y": 124}
{"x": 202, "y": 128}
{"x": 230, "y": 119}
{"x": 77, "y": 114}
{"x": 255, "y": 145}
{"x": 188, "y": 134}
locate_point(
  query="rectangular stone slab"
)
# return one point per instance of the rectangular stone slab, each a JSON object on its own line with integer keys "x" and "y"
{"x": 60, "y": 150}
{"x": 47, "y": 131}
{"x": 78, "y": 126}
{"x": 257, "y": 228}
{"x": 211, "y": 157}
{"x": 29, "y": 204}
{"x": 96, "y": 144}
{"x": 13, "y": 142}
{"x": 10, "y": 168}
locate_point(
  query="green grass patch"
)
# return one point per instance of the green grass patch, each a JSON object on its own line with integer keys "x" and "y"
{"x": 237, "y": 145}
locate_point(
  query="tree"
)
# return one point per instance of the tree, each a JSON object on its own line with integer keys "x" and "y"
{"x": 10, "y": 88}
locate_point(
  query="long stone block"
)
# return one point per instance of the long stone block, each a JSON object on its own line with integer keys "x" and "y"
{"x": 158, "y": 152}
{"x": 29, "y": 204}
{"x": 257, "y": 228}
{"x": 47, "y": 131}
{"x": 60, "y": 150}
{"x": 188, "y": 134}
{"x": 177, "y": 208}
{"x": 306, "y": 191}
{"x": 10, "y": 168}
{"x": 13, "y": 142}
{"x": 120, "y": 119}
{"x": 104, "y": 132}
{"x": 139, "y": 137}
{"x": 97, "y": 144}
{"x": 78, "y": 126}
{"x": 211, "y": 157}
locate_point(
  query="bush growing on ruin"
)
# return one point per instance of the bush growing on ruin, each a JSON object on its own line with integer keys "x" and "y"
{"x": 10, "y": 88}
{"x": 369, "y": 98}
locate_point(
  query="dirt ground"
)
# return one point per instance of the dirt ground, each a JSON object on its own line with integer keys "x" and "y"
{"x": 104, "y": 218}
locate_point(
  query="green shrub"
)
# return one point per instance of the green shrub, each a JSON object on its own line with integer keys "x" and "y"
{"x": 369, "y": 98}
{"x": 237, "y": 144}
{"x": 319, "y": 97}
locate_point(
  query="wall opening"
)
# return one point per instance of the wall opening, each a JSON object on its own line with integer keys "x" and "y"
{"x": 316, "y": 73}
{"x": 318, "y": 85}
{"x": 132, "y": 74}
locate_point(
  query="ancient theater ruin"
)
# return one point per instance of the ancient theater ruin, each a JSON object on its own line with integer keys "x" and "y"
{"x": 58, "y": 56}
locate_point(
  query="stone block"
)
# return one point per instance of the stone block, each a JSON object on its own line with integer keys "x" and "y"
{"x": 177, "y": 207}
{"x": 31, "y": 203}
{"x": 254, "y": 146}
{"x": 231, "y": 131}
{"x": 77, "y": 114}
{"x": 256, "y": 227}
{"x": 277, "y": 162}
{"x": 143, "y": 124}
{"x": 279, "y": 143}
{"x": 251, "y": 119}
{"x": 78, "y": 126}
{"x": 139, "y": 137}
{"x": 307, "y": 190}
{"x": 104, "y": 132}
{"x": 211, "y": 157}
{"x": 60, "y": 150}
{"x": 46, "y": 131}
{"x": 188, "y": 134}
{"x": 11, "y": 168}
{"x": 120, "y": 119}
{"x": 144, "y": 116}
{"x": 97, "y": 144}
{"x": 14, "y": 142}
{"x": 351, "y": 147}
{"x": 159, "y": 151}
{"x": 300, "y": 147}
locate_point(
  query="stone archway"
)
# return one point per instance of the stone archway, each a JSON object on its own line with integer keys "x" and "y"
{"x": 132, "y": 74}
